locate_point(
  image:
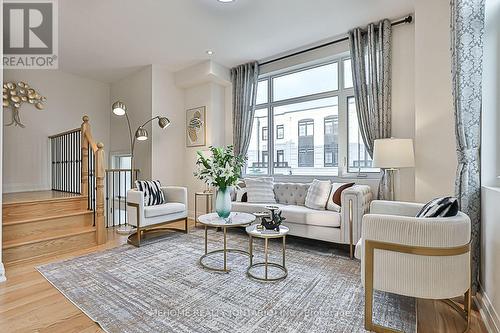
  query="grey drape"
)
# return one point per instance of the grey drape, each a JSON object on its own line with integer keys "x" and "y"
{"x": 371, "y": 67}
{"x": 467, "y": 30}
{"x": 244, "y": 79}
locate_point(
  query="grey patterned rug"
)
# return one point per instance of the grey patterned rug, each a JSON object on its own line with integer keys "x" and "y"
{"x": 160, "y": 287}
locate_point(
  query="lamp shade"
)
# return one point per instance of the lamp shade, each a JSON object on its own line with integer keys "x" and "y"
{"x": 393, "y": 153}
{"x": 163, "y": 122}
{"x": 141, "y": 134}
{"x": 119, "y": 108}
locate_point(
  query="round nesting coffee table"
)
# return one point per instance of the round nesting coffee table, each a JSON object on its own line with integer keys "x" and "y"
{"x": 252, "y": 231}
{"x": 235, "y": 219}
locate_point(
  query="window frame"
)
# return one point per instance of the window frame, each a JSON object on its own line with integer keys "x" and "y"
{"x": 341, "y": 93}
{"x": 278, "y": 128}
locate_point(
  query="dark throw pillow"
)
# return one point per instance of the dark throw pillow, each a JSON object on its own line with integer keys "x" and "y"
{"x": 440, "y": 207}
{"x": 153, "y": 195}
{"x": 338, "y": 193}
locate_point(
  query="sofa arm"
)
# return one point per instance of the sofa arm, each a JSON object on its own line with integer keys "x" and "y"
{"x": 355, "y": 203}
{"x": 175, "y": 194}
{"x": 395, "y": 208}
{"x": 135, "y": 201}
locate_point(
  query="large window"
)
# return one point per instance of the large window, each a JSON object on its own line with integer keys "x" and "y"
{"x": 301, "y": 123}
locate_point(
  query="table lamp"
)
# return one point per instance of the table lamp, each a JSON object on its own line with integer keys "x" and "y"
{"x": 391, "y": 155}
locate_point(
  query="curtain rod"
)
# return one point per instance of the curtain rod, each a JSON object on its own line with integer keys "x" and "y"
{"x": 404, "y": 20}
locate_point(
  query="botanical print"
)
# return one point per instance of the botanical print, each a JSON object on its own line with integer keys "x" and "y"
{"x": 196, "y": 127}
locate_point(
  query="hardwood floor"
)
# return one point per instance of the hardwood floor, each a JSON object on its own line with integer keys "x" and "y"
{"x": 28, "y": 303}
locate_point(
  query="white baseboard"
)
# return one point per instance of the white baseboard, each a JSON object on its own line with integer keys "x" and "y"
{"x": 11, "y": 188}
{"x": 3, "y": 278}
{"x": 488, "y": 314}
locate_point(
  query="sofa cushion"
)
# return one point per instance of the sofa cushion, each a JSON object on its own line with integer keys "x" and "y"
{"x": 294, "y": 214}
{"x": 248, "y": 207}
{"x": 334, "y": 200}
{"x": 317, "y": 194}
{"x": 164, "y": 209}
{"x": 260, "y": 190}
{"x": 308, "y": 216}
{"x": 291, "y": 193}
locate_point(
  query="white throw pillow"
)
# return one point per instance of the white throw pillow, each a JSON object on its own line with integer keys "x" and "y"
{"x": 240, "y": 193}
{"x": 336, "y": 187}
{"x": 318, "y": 193}
{"x": 260, "y": 190}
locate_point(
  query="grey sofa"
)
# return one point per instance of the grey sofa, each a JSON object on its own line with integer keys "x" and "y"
{"x": 342, "y": 227}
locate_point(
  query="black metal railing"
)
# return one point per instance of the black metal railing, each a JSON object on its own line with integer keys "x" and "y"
{"x": 265, "y": 164}
{"x": 117, "y": 184}
{"x": 66, "y": 161}
{"x": 91, "y": 181}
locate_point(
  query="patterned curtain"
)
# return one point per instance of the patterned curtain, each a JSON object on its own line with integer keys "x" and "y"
{"x": 467, "y": 29}
{"x": 244, "y": 78}
{"x": 371, "y": 67}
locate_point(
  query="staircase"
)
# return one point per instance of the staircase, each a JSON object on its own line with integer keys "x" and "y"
{"x": 34, "y": 226}
{"x": 68, "y": 218}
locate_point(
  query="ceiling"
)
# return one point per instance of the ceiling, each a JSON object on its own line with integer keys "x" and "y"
{"x": 108, "y": 39}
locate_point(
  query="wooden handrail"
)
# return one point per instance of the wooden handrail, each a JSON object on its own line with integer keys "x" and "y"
{"x": 65, "y": 133}
{"x": 98, "y": 150}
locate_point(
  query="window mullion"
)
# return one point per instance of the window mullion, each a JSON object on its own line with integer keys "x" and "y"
{"x": 270, "y": 132}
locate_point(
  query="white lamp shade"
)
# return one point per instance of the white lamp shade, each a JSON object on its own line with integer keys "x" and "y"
{"x": 393, "y": 153}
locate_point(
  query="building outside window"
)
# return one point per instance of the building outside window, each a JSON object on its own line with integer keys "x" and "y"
{"x": 280, "y": 132}
{"x": 298, "y": 99}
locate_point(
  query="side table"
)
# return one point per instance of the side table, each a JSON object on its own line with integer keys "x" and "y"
{"x": 209, "y": 197}
{"x": 252, "y": 232}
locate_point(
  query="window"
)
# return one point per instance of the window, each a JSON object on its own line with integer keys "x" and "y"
{"x": 311, "y": 103}
{"x": 331, "y": 150}
{"x": 280, "y": 132}
{"x": 358, "y": 157}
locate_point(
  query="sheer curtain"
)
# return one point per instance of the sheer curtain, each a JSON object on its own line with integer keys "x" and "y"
{"x": 467, "y": 30}
{"x": 244, "y": 79}
{"x": 371, "y": 67}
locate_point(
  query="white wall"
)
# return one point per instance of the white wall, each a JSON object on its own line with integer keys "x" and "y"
{"x": 435, "y": 154}
{"x": 168, "y": 144}
{"x": 2, "y": 269}
{"x": 490, "y": 168}
{"x": 136, "y": 92}
{"x": 26, "y": 160}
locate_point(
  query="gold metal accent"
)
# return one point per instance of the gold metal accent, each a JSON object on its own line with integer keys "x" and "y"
{"x": 371, "y": 246}
{"x": 19, "y": 94}
{"x": 152, "y": 231}
{"x": 208, "y": 204}
{"x": 266, "y": 264}
{"x": 224, "y": 251}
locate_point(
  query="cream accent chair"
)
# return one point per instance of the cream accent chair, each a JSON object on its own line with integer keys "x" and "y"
{"x": 418, "y": 257}
{"x": 145, "y": 218}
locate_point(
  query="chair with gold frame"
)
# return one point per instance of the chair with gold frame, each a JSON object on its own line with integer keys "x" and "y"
{"x": 418, "y": 257}
{"x": 148, "y": 219}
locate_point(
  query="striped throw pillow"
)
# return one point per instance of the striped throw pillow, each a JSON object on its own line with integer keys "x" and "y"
{"x": 260, "y": 190}
{"x": 318, "y": 193}
{"x": 153, "y": 195}
{"x": 440, "y": 207}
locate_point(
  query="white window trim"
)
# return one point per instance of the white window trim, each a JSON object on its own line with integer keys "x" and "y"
{"x": 341, "y": 93}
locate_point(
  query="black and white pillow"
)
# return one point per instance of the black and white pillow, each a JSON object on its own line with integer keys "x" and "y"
{"x": 440, "y": 207}
{"x": 153, "y": 195}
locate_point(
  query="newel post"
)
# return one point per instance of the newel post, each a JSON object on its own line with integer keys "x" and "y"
{"x": 99, "y": 205}
{"x": 85, "y": 157}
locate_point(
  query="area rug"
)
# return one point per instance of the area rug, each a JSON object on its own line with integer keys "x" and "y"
{"x": 160, "y": 287}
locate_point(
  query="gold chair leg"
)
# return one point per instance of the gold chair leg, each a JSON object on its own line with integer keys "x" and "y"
{"x": 186, "y": 228}
{"x": 138, "y": 236}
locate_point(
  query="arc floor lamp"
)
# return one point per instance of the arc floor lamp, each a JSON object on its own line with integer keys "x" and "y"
{"x": 141, "y": 134}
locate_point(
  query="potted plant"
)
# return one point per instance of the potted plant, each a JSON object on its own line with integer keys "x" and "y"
{"x": 222, "y": 170}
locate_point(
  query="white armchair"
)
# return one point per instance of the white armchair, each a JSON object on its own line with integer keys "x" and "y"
{"x": 145, "y": 218}
{"x": 418, "y": 257}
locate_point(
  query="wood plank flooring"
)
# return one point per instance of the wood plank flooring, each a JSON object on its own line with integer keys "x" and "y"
{"x": 28, "y": 303}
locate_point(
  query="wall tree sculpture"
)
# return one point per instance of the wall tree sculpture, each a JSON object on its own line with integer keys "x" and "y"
{"x": 15, "y": 95}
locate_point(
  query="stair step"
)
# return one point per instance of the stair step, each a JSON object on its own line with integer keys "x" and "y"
{"x": 43, "y": 237}
{"x": 46, "y": 225}
{"x": 46, "y": 208}
{"x": 24, "y": 249}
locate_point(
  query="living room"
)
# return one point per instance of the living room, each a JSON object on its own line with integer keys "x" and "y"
{"x": 331, "y": 166}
